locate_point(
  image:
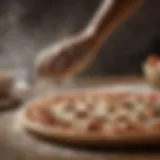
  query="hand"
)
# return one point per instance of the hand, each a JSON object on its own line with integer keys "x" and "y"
{"x": 71, "y": 56}
{"x": 67, "y": 58}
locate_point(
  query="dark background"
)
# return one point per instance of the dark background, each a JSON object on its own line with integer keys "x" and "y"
{"x": 27, "y": 26}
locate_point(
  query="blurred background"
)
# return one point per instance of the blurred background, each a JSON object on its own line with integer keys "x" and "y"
{"x": 28, "y": 26}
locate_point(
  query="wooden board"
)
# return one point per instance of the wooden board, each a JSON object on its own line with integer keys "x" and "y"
{"x": 16, "y": 144}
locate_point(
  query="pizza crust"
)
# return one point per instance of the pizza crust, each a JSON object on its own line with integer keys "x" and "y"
{"x": 87, "y": 138}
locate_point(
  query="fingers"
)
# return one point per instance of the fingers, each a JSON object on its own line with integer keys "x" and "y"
{"x": 60, "y": 60}
{"x": 45, "y": 61}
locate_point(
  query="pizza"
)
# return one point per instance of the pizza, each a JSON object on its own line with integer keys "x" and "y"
{"x": 95, "y": 118}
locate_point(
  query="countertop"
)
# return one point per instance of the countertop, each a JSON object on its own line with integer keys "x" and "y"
{"x": 17, "y": 144}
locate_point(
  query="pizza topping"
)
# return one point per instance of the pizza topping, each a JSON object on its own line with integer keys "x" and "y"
{"x": 99, "y": 109}
{"x": 95, "y": 125}
{"x": 122, "y": 118}
{"x": 129, "y": 105}
{"x": 81, "y": 114}
{"x": 89, "y": 100}
{"x": 142, "y": 116}
{"x": 111, "y": 108}
{"x": 80, "y": 106}
{"x": 103, "y": 113}
{"x": 69, "y": 107}
{"x": 60, "y": 114}
{"x": 40, "y": 115}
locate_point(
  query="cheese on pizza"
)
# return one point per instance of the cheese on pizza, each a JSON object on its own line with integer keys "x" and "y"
{"x": 108, "y": 112}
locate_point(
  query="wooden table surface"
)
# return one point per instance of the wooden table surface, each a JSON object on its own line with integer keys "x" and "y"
{"x": 16, "y": 144}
